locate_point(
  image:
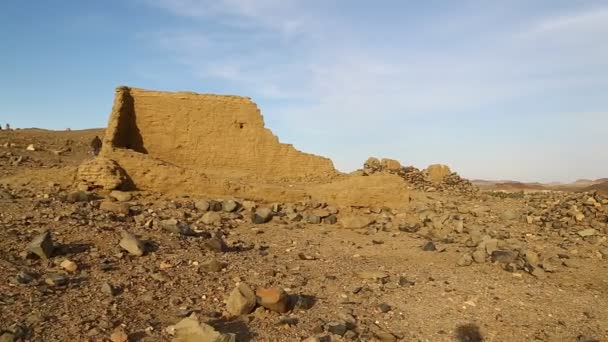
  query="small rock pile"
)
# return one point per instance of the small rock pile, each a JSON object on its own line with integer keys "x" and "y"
{"x": 585, "y": 212}
{"x": 434, "y": 178}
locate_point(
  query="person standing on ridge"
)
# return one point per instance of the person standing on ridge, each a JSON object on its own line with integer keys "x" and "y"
{"x": 96, "y": 145}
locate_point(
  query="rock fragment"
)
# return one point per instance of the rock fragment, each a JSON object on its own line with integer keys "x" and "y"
{"x": 121, "y": 196}
{"x": 132, "y": 244}
{"x": 356, "y": 222}
{"x": 69, "y": 265}
{"x": 230, "y": 206}
{"x": 465, "y": 260}
{"x": 274, "y": 299}
{"x": 115, "y": 207}
{"x": 191, "y": 330}
{"x": 42, "y": 245}
{"x": 212, "y": 218}
{"x": 261, "y": 216}
{"x": 242, "y": 300}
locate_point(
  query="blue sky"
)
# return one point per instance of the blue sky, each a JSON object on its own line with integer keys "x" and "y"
{"x": 496, "y": 89}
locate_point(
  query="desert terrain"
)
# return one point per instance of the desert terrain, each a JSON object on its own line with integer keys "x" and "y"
{"x": 195, "y": 223}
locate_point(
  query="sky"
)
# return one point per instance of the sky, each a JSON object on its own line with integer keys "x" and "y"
{"x": 512, "y": 89}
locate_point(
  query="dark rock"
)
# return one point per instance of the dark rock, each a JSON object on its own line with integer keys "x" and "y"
{"x": 504, "y": 257}
{"x": 429, "y": 246}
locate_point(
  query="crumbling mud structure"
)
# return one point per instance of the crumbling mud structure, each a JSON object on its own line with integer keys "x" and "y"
{"x": 173, "y": 141}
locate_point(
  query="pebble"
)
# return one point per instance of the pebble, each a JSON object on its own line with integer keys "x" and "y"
{"x": 213, "y": 265}
{"x": 119, "y": 336}
{"x": 429, "y": 246}
{"x": 108, "y": 289}
{"x": 69, "y": 265}
{"x": 56, "y": 280}
{"x": 384, "y": 308}
{"x": 336, "y": 328}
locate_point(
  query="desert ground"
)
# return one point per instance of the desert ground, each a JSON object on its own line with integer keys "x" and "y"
{"x": 315, "y": 261}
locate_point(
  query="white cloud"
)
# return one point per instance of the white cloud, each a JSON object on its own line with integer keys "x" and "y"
{"x": 345, "y": 85}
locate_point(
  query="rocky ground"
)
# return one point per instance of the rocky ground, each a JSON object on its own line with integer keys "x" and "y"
{"x": 459, "y": 265}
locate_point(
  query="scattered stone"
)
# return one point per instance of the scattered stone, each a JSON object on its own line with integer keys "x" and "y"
{"x": 119, "y": 336}
{"x": 230, "y": 206}
{"x": 321, "y": 213}
{"x": 213, "y": 265}
{"x": 7, "y": 336}
{"x": 261, "y": 216}
{"x": 504, "y": 257}
{"x": 69, "y": 265}
{"x": 429, "y": 246}
{"x": 201, "y": 205}
{"x": 336, "y": 328}
{"x": 313, "y": 219}
{"x": 115, "y": 207}
{"x": 587, "y": 232}
{"x": 479, "y": 256}
{"x": 385, "y": 336}
{"x": 212, "y": 218}
{"x": 216, "y": 243}
{"x": 331, "y": 219}
{"x": 404, "y": 282}
{"x": 30, "y": 147}
{"x": 24, "y": 278}
{"x": 56, "y": 280}
{"x": 176, "y": 227}
{"x": 79, "y": 196}
{"x": 190, "y": 330}
{"x": 42, "y": 245}
{"x": 132, "y": 244}
{"x": 356, "y": 222}
{"x": 274, "y": 299}
{"x": 121, "y": 196}
{"x": 215, "y": 205}
{"x": 108, "y": 289}
{"x": 294, "y": 217}
{"x": 531, "y": 258}
{"x": 303, "y": 302}
{"x": 372, "y": 275}
{"x": 242, "y": 300}
{"x": 303, "y": 256}
{"x": 465, "y": 260}
{"x": 384, "y": 308}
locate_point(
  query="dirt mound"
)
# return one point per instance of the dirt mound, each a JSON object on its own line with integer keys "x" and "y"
{"x": 218, "y": 134}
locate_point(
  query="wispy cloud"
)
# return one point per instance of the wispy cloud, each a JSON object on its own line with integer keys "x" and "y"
{"x": 346, "y": 78}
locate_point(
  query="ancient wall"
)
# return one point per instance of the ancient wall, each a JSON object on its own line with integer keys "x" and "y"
{"x": 210, "y": 133}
